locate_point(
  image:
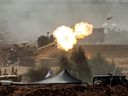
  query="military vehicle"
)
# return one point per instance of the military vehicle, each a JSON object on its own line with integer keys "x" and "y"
{"x": 111, "y": 80}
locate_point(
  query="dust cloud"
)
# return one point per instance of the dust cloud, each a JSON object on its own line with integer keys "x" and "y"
{"x": 25, "y": 20}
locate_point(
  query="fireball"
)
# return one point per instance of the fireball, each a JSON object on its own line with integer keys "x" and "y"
{"x": 82, "y": 30}
{"x": 67, "y": 37}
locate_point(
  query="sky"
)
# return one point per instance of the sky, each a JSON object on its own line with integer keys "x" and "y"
{"x": 25, "y": 20}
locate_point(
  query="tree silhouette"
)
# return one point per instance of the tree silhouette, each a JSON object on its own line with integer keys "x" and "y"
{"x": 64, "y": 62}
{"x": 101, "y": 66}
{"x": 82, "y": 68}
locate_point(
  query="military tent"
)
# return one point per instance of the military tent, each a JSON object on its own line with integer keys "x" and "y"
{"x": 63, "y": 77}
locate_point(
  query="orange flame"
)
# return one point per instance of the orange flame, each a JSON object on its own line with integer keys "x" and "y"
{"x": 82, "y": 30}
{"x": 66, "y": 37}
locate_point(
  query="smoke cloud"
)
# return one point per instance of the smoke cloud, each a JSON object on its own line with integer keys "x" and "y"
{"x": 25, "y": 20}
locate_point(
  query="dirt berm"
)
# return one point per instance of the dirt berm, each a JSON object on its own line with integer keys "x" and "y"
{"x": 63, "y": 90}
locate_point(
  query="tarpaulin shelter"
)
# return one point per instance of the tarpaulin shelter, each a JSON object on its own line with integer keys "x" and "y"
{"x": 63, "y": 77}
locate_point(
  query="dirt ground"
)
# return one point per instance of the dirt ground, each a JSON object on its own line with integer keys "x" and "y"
{"x": 118, "y": 53}
{"x": 63, "y": 90}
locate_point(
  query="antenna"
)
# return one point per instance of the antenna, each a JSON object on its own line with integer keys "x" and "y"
{"x": 113, "y": 73}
